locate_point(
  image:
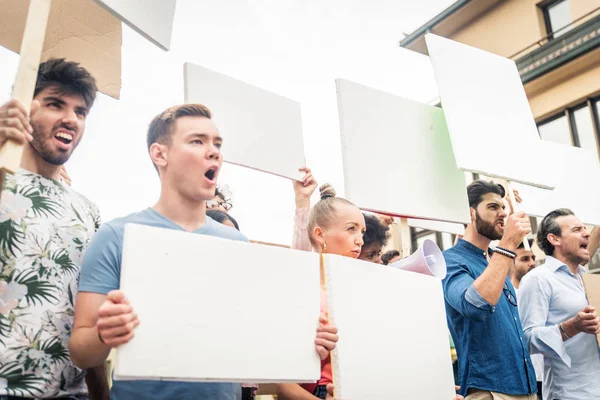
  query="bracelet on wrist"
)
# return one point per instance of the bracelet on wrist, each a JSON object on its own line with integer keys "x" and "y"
{"x": 560, "y": 327}
{"x": 100, "y": 337}
{"x": 505, "y": 252}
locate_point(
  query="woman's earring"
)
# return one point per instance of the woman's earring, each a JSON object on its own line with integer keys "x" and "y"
{"x": 324, "y": 247}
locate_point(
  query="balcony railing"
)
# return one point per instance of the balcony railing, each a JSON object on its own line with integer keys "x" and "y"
{"x": 579, "y": 37}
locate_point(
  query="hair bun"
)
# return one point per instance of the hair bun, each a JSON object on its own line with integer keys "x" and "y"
{"x": 326, "y": 191}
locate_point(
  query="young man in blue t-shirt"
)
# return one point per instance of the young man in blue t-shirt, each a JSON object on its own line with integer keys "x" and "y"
{"x": 185, "y": 147}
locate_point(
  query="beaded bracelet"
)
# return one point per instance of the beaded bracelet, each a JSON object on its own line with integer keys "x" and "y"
{"x": 506, "y": 253}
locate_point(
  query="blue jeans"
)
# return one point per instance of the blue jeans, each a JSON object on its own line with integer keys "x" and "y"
{"x": 320, "y": 392}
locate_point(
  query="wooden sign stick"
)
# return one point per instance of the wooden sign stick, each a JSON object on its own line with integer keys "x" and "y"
{"x": 332, "y": 359}
{"x": 405, "y": 242}
{"x": 31, "y": 53}
{"x": 515, "y": 207}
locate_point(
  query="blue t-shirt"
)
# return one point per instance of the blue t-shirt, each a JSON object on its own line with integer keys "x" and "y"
{"x": 101, "y": 273}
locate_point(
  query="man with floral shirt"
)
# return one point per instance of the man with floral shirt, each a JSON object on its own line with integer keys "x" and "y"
{"x": 45, "y": 227}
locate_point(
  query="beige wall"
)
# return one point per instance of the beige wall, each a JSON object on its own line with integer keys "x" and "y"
{"x": 514, "y": 25}
{"x": 510, "y": 27}
{"x": 567, "y": 90}
{"x": 579, "y": 8}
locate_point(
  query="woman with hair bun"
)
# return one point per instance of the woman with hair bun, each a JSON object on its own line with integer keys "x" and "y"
{"x": 335, "y": 226}
{"x": 376, "y": 235}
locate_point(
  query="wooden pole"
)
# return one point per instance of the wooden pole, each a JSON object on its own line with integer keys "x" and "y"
{"x": 31, "y": 53}
{"x": 515, "y": 207}
{"x": 405, "y": 242}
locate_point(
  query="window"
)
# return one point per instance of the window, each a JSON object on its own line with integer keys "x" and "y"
{"x": 594, "y": 264}
{"x": 556, "y": 130}
{"x": 578, "y": 126}
{"x": 597, "y": 114}
{"x": 431, "y": 236}
{"x": 584, "y": 124}
{"x": 557, "y": 15}
{"x": 447, "y": 241}
{"x": 443, "y": 240}
{"x": 470, "y": 177}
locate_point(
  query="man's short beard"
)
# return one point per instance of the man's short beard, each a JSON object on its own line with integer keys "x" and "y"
{"x": 486, "y": 229}
{"x": 39, "y": 146}
{"x": 575, "y": 259}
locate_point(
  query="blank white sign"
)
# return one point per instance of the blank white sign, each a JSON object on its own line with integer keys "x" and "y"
{"x": 228, "y": 311}
{"x": 152, "y": 19}
{"x": 578, "y": 184}
{"x": 488, "y": 114}
{"x": 437, "y": 226}
{"x": 394, "y": 341}
{"x": 397, "y": 156}
{"x": 262, "y": 130}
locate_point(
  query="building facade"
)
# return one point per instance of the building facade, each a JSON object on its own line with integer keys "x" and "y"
{"x": 556, "y": 46}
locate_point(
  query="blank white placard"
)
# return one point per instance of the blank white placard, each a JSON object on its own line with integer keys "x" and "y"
{"x": 437, "y": 226}
{"x": 397, "y": 156}
{"x": 262, "y": 130}
{"x": 213, "y": 309}
{"x": 578, "y": 184}
{"x": 152, "y": 19}
{"x": 487, "y": 112}
{"x": 394, "y": 341}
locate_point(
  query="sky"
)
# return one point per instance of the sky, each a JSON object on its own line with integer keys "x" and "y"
{"x": 292, "y": 48}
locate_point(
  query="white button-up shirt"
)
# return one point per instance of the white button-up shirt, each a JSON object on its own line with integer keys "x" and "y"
{"x": 548, "y": 296}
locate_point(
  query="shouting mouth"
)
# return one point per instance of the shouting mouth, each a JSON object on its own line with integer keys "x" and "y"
{"x": 584, "y": 247}
{"x": 211, "y": 174}
{"x": 64, "y": 137}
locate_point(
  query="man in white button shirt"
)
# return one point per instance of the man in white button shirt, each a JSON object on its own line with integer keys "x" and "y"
{"x": 557, "y": 320}
{"x": 525, "y": 263}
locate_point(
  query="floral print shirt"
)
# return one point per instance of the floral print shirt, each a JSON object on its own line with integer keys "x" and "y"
{"x": 45, "y": 227}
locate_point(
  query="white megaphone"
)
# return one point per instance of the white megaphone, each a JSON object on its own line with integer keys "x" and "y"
{"x": 428, "y": 260}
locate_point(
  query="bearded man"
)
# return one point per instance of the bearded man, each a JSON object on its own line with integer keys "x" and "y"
{"x": 481, "y": 304}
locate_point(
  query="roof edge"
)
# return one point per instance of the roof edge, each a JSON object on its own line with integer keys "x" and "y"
{"x": 433, "y": 22}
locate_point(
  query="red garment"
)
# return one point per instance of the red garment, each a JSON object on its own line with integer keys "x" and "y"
{"x": 326, "y": 373}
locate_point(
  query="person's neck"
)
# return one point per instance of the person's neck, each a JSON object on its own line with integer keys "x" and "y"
{"x": 477, "y": 240}
{"x": 572, "y": 264}
{"x": 31, "y": 161}
{"x": 515, "y": 282}
{"x": 189, "y": 214}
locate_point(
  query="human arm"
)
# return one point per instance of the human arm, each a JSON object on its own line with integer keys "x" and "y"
{"x": 325, "y": 343}
{"x": 490, "y": 283}
{"x": 303, "y": 189}
{"x": 100, "y": 309}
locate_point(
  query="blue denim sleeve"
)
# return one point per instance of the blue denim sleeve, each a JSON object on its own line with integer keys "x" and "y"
{"x": 101, "y": 268}
{"x": 462, "y": 295}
